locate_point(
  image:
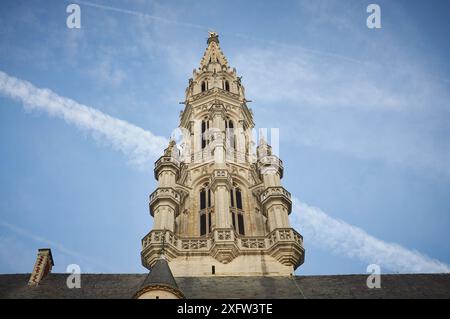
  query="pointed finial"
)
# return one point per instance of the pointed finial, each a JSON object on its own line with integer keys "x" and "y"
{"x": 169, "y": 150}
{"x": 213, "y": 37}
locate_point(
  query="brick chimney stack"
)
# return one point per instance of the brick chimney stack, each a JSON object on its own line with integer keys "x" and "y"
{"x": 42, "y": 267}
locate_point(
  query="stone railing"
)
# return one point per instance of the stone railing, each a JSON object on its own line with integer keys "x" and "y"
{"x": 238, "y": 157}
{"x": 164, "y": 192}
{"x": 275, "y": 191}
{"x": 271, "y": 160}
{"x": 253, "y": 243}
{"x": 156, "y": 237}
{"x": 270, "y": 164}
{"x": 182, "y": 245}
{"x": 286, "y": 234}
{"x": 195, "y": 244}
{"x": 202, "y": 156}
{"x": 230, "y": 156}
{"x": 214, "y": 90}
{"x": 223, "y": 234}
{"x": 167, "y": 159}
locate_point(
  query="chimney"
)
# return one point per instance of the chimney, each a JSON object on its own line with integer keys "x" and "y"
{"x": 42, "y": 267}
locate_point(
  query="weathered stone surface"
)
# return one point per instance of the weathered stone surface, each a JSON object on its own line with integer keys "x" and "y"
{"x": 218, "y": 164}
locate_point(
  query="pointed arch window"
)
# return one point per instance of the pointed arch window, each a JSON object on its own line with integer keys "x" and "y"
{"x": 226, "y": 85}
{"x": 205, "y": 210}
{"x": 237, "y": 212}
{"x": 204, "y": 86}
{"x": 205, "y": 128}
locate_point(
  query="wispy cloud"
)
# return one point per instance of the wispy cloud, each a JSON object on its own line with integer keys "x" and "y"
{"x": 140, "y": 14}
{"x": 339, "y": 237}
{"x": 107, "y": 73}
{"x": 75, "y": 256}
{"x": 142, "y": 145}
{"x": 310, "y": 80}
{"x": 138, "y": 144}
{"x": 354, "y": 109}
{"x": 179, "y": 22}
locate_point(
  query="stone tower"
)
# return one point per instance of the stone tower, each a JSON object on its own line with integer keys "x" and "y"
{"x": 220, "y": 209}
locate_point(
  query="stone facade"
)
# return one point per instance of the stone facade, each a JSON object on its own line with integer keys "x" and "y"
{"x": 219, "y": 208}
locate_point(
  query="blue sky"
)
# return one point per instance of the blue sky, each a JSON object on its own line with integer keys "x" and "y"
{"x": 364, "y": 118}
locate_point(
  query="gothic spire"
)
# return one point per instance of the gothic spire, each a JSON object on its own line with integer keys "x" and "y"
{"x": 213, "y": 53}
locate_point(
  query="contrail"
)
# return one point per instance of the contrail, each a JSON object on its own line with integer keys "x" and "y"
{"x": 341, "y": 238}
{"x": 138, "y": 144}
{"x": 54, "y": 245}
{"x": 204, "y": 27}
{"x": 277, "y": 44}
{"x": 139, "y": 14}
{"x": 141, "y": 145}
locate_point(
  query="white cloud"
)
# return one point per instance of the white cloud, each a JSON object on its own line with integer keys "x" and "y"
{"x": 335, "y": 235}
{"x": 138, "y": 144}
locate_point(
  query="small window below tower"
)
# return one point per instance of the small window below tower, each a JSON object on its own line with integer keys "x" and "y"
{"x": 205, "y": 211}
{"x": 205, "y": 128}
{"x": 227, "y": 86}
{"x": 202, "y": 199}
{"x": 203, "y": 86}
{"x": 237, "y": 213}
{"x": 241, "y": 224}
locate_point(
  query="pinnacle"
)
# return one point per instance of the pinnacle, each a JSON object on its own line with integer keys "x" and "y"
{"x": 213, "y": 53}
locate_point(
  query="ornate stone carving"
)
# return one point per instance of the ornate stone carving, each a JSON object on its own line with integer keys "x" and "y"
{"x": 224, "y": 245}
{"x": 215, "y": 103}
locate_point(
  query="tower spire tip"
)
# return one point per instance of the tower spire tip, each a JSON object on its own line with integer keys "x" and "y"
{"x": 213, "y": 37}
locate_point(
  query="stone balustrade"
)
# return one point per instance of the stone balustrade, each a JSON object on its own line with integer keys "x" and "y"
{"x": 271, "y": 160}
{"x": 226, "y": 244}
{"x": 163, "y": 193}
{"x": 275, "y": 191}
{"x": 270, "y": 163}
{"x": 213, "y": 91}
{"x": 167, "y": 159}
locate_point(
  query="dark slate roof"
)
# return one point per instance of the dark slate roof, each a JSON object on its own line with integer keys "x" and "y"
{"x": 337, "y": 286}
{"x": 160, "y": 274}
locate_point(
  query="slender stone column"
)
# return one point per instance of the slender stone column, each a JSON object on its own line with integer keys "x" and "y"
{"x": 220, "y": 185}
